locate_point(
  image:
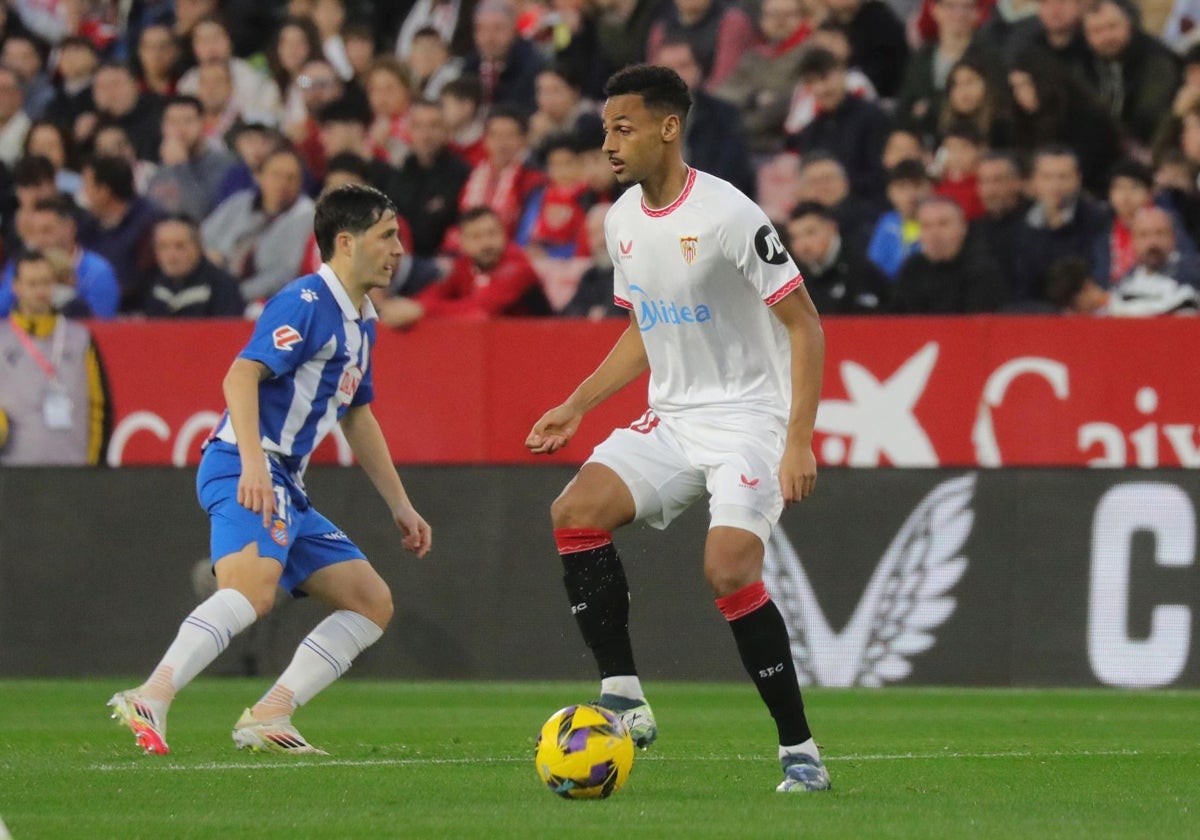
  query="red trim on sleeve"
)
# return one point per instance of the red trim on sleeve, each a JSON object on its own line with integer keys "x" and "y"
{"x": 621, "y": 302}
{"x": 788, "y": 288}
{"x": 743, "y": 602}
{"x": 573, "y": 540}
{"x": 674, "y": 205}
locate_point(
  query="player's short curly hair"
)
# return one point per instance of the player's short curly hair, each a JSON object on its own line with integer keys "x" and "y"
{"x": 661, "y": 88}
{"x": 353, "y": 208}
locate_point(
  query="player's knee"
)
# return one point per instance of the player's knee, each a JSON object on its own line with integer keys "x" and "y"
{"x": 725, "y": 576}
{"x": 377, "y": 605}
{"x": 569, "y": 511}
{"x": 261, "y": 599}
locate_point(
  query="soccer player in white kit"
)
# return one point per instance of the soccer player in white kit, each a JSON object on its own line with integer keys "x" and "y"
{"x": 720, "y": 316}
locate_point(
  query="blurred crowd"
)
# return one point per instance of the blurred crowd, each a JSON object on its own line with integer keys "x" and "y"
{"x": 162, "y": 157}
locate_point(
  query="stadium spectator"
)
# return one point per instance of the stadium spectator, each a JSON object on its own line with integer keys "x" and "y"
{"x": 258, "y": 235}
{"x": 974, "y": 94}
{"x": 319, "y": 85}
{"x": 1001, "y": 192}
{"x": 1158, "y": 251}
{"x": 463, "y": 115}
{"x": 21, "y": 54}
{"x": 839, "y": 279}
{"x": 719, "y": 33}
{"x": 453, "y": 19}
{"x": 52, "y": 226}
{"x": 252, "y": 90}
{"x": 958, "y": 168}
{"x": 903, "y": 144}
{"x": 761, "y": 83}
{"x": 431, "y": 63}
{"x": 877, "y": 41}
{"x": 1062, "y": 222}
{"x": 593, "y": 298}
{"x": 117, "y": 99}
{"x": 1072, "y": 289}
{"x": 359, "y": 38}
{"x": 1005, "y": 20}
{"x": 343, "y": 126}
{"x": 428, "y": 183}
{"x": 51, "y": 141}
{"x": 295, "y": 43}
{"x": 110, "y": 140}
{"x": 76, "y": 73}
{"x": 191, "y": 171}
{"x": 54, "y": 406}
{"x": 829, "y": 35}
{"x": 390, "y": 91}
{"x": 492, "y": 277}
{"x": 1133, "y": 74}
{"x": 330, "y": 18}
{"x": 922, "y": 93}
{"x": 575, "y": 40}
{"x": 14, "y": 122}
{"x": 186, "y": 284}
{"x": 823, "y": 180}
{"x": 1057, "y": 30}
{"x": 33, "y": 179}
{"x": 119, "y": 225}
{"x": 713, "y": 140}
{"x": 1054, "y": 108}
{"x": 504, "y": 180}
{"x": 219, "y": 112}
{"x": 553, "y": 222}
{"x": 897, "y": 232}
{"x": 851, "y": 129}
{"x": 561, "y": 108}
{"x": 947, "y": 276}
{"x": 505, "y": 64}
{"x": 158, "y": 56}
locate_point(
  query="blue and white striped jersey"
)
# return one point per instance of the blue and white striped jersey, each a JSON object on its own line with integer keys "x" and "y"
{"x": 319, "y": 349}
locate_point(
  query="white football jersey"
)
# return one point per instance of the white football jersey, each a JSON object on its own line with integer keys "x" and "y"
{"x": 700, "y": 276}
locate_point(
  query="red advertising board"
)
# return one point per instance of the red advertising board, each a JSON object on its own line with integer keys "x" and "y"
{"x": 923, "y": 392}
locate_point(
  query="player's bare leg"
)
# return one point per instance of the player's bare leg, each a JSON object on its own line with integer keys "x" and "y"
{"x": 245, "y": 590}
{"x": 585, "y": 514}
{"x": 733, "y": 559}
{"x": 363, "y": 607}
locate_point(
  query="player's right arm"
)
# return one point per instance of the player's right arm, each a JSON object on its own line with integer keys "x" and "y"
{"x": 240, "y": 385}
{"x": 624, "y": 363}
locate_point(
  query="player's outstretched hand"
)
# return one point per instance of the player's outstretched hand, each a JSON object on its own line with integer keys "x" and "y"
{"x": 797, "y": 473}
{"x": 418, "y": 536}
{"x": 255, "y": 491}
{"x": 553, "y": 430}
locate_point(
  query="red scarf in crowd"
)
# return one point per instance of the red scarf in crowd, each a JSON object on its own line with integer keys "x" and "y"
{"x": 560, "y": 218}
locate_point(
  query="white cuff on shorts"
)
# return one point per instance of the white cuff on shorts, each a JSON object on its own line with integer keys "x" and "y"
{"x": 739, "y": 516}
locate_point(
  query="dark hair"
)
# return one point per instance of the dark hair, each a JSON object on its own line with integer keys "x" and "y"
{"x": 111, "y": 64}
{"x": 345, "y": 109}
{"x": 1065, "y": 279}
{"x": 1052, "y": 150}
{"x": 184, "y": 99}
{"x": 1129, "y": 168}
{"x": 312, "y": 39}
{"x": 181, "y": 219}
{"x": 349, "y": 162}
{"x": 509, "y": 112}
{"x": 908, "y": 170}
{"x": 818, "y": 62}
{"x": 1008, "y": 157}
{"x": 114, "y": 173}
{"x": 964, "y": 129}
{"x": 464, "y": 87}
{"x": 472, "y": 214}
{"x": 428, "y": 32}
{"x": 560, "y": 141}
{"x": 59, "y": 204}
{"x": 358, "y": 29}
{"x": 32, "y": 171}
{"x": 78, "y": 41}
{"x": 353, "y": 209}
{"x": 661, "y": 88}
{"x": 812, "y": 208}
{"x": 821, "y": 156}
{"x": 29, "y": 255}
{"x": 64, "y": 138}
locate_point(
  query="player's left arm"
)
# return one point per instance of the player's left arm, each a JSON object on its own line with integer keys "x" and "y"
{"x": 798, "y": 470}
{"x": 370, "y": 448}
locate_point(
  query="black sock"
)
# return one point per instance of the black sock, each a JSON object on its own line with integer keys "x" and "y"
{"x": 762, "y": 641}
{"x": 599, "y": 594}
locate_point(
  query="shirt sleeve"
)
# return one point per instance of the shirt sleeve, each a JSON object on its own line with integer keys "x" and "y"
{"x": 366, "y": 389}
{"x": 287, "y": 334}
{"x": 622, "y": 297}
{"x": 753, "y": 245}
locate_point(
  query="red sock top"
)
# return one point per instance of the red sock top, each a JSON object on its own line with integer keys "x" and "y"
{"x": 743, "y": 602}
{"x": 572, "y": 540}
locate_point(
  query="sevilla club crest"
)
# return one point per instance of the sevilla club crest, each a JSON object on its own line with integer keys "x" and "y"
{"x": 689, "y": 245}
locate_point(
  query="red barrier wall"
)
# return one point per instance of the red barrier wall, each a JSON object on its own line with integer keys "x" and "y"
{"x": 987, "y": 391}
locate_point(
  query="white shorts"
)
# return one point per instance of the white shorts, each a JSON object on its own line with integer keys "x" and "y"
{"x": 668, "y": 468}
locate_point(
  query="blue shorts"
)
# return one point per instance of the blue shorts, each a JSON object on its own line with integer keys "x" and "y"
{"x": 300, "y": 538}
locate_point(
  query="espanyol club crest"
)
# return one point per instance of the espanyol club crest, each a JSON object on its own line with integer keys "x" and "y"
{"x": 689, "y": 245}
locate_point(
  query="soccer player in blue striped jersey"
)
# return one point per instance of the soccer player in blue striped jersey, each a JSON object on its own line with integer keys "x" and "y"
{"x": 306, "y": 368}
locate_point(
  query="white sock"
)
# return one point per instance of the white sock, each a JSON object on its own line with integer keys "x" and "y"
{"x": 202, "y": 637}
{"x": 809, "y": 748}
{"x": 326, "y": 654}
{"x": 630, "y": 687}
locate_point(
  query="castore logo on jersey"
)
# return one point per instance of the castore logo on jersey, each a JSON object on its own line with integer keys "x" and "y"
{"x": 651, "y": 313}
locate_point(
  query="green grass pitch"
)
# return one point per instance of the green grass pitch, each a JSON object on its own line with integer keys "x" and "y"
{"x": 454, "y": 760}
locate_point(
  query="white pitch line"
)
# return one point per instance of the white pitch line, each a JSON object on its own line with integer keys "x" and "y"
{"x": 406, "y": 762}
